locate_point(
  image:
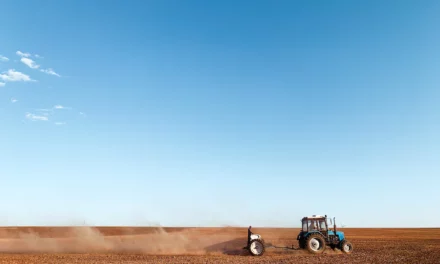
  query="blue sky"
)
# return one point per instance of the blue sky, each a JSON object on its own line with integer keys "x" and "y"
{"x": 218, "y": 113}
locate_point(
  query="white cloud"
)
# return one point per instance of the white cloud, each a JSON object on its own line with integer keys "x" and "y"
{"x": 61, "y": 107}
{"x": 3, "y": 58}
{"x": 34, "y": 117}
{"x": 44, "y": 112}
{"x": 14, "y": 76}
{"x": 21, "y": 54}
{"x": 30, "y": 63}
{"x": 2, "y": 84}
{"x": 13, "y": 100}
{"x": 33, "y": 65}
{"x": 50, "y": 71}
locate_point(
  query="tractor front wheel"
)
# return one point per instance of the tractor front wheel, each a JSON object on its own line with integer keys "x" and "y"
{"x": 346, "y": 247}
{"x": 256, "y": 247}
{"x": 315, "y": 244}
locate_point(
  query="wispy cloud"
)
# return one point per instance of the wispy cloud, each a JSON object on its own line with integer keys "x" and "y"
{"x": 53, "y": 114}
{"x": 3, "y": 58}
{"x": 30, "y": 63}
{"x": 13, "y": 100}
{"x": 14, "y": 76}
{"x": 50, "y": 71}
{"x": 33, "y": 65}
{"x": 44, "y": 112}
{"x": 2, "y": 84}
{"x": 22, "y": 54}
{"x": 34, "y": 117}
{"x": 59, "y": 107}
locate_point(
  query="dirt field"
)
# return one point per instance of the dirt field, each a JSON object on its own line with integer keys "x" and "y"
{"x": 205, "y": 245}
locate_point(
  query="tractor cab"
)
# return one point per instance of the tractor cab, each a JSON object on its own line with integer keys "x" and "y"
{"x": 314, "y": 223}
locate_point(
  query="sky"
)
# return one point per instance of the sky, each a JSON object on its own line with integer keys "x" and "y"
{"x": 214, "y": 113}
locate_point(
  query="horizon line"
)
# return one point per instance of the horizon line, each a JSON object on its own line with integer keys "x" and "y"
{"x": 224, "y": 226}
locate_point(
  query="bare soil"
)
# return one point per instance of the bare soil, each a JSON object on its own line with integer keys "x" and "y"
{"x": 205, "y": 245}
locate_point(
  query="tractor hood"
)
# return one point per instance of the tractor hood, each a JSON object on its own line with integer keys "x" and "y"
{"x": 340, "y": 234}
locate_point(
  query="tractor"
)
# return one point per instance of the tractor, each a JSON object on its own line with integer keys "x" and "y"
{"x": 315, "y": 235}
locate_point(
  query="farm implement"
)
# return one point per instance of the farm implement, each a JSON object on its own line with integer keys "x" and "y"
{"x": 314, "y": 236}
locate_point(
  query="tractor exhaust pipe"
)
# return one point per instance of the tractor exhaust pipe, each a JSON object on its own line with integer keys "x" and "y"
{"x": 334, "y": 224}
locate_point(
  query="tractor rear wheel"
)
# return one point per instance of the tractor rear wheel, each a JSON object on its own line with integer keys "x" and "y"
{"x": 346, "y": 247}
{"x": 315, "y": 244}
{"x": 256, "y": 247}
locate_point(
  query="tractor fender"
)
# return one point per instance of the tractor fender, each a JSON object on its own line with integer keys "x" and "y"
{"x": 312, "y": 233}
{"x": 305, "y": 236}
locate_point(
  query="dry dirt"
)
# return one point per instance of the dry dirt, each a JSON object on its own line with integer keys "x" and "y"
{"x": 205, "y": 245}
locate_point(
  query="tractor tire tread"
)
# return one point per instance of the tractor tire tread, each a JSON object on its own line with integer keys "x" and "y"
{"x": 321, "y": 240}
{"x": 343, "y": 242}
{"x": 262, "y": 244}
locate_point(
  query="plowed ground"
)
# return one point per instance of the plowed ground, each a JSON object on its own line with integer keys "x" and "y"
{"x": 205, "y": 245}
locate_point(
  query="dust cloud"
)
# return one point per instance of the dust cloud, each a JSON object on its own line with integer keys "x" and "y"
{"x": 90, "y": 240}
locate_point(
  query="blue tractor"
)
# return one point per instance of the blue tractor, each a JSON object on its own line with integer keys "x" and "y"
{"x": 316, "y": 235}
